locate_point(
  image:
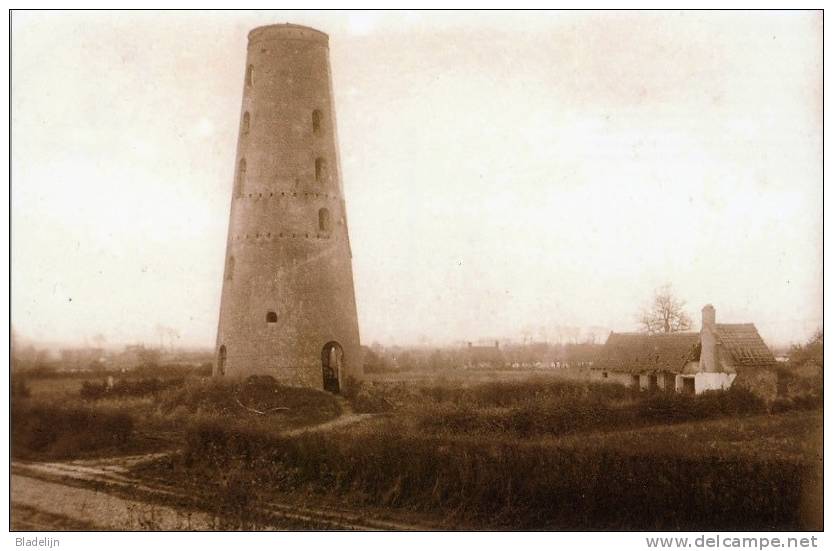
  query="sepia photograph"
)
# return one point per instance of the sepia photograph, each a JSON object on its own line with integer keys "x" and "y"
{"x": 471, "y": 271}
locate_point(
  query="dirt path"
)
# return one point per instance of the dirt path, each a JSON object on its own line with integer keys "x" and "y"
{"x": 28, "y": 519}
{"x": 62, "y": 504}
{"x": 106, "y": 498}
{"x": 347, "y": 417}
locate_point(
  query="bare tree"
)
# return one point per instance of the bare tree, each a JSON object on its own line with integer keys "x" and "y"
{"x": 572, "y": 333}
{"x": 665, "y": 313}
{"x": 811, "y": 352}
{"x": 526, "y": 332}
{"x": 99, "y": 340}
{"x": 165, "y": 332}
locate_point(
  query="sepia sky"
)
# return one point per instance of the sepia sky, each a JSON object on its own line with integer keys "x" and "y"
{"x": 505, "y": 173}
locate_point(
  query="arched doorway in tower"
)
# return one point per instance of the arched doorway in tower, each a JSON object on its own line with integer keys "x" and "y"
{"x": 221, "y": 360}
{"x": 332, "y": 358}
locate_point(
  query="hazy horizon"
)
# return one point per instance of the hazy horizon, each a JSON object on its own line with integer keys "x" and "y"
{"x": 504, "y": 173}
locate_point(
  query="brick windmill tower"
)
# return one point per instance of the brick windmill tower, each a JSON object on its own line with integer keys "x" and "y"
{"x": 288, "y": 307}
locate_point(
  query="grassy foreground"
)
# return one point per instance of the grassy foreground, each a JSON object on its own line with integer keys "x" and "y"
{"x": 519, "y": 484}
{"x": 507, "y": 456}
{"x": 511, "y": 455}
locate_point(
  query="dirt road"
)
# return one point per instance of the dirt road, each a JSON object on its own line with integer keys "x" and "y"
{"x": 102, "y": 495}
{"x": 38, "y": 504}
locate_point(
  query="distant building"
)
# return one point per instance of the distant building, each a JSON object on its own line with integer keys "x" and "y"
{"x": 713, "y": 359}
{"x": 484, "y": 357}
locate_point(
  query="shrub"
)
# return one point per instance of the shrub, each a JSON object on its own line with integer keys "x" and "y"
{"x": 800, "y": 402}
{"x": 256, "y": 400}
{"x": 674, "y": 407}
{"x": 212, "y": 395}
{"x": 366, "y": 397}
{"x": 127, "y": 388}
{"x": 506, "y": 394}
{"x": 171, "y": 371}
{"x": 92, "y": 391}
{"x": 232, "y": 397}
{"x": 374, "y": 397}
{"x": 41, "y": 430}
{"x": 19, "y": 387}
{"x": 574, "y": 409}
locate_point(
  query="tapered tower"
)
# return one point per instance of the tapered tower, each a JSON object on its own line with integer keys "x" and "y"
{"x": 288, "y": 307}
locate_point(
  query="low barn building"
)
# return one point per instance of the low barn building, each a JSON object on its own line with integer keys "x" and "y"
{"x": 691, "y": 362}
{"x": 647, "y": 361}
{"x": 484, "y": 357}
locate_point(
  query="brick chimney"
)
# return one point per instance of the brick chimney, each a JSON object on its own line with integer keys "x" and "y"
{"x": 708, "y": 316}
{"x": 709, "y": 353}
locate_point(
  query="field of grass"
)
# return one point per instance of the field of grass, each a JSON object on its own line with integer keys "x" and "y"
{"x": 794, "y": 436}
{"x": 534, "y": 455}
{"x": 612, "y": 480}
{"x": 54, "y": 388}
{"x": 544, "y": 406}
{"x": 539, "y": 453}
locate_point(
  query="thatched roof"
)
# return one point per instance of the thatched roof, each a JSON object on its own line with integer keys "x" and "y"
{"x": 745, "y": 345}
{"x": 641, "y": 353}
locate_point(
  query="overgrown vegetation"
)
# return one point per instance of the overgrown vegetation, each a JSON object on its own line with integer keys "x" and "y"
{"x": 377, "y": 397}
{"x": 538, "y": 406}
{"x": 508, "y": 484}
{"x": 812, "y": 352}
{"x": 20, "y": 389}
{"x": 258, "y": 402}
{"x": 532, "y": 454}
{"x": 142, "y": 371}
{"x": 575, "y": 414}
{"x": 91, "y": 390}
{"x": 100, "y": 418}
{"x": 49, "y": 431}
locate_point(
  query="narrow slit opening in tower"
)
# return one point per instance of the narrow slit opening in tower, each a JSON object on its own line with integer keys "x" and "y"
{"x": 244, "y": 129}
{"x": 250, "y": 75}
{"x": 324, "y": 220}
{"x": 241, "y": 176}
{"x": 316, "y": 122}
{"x": 320, "y": 169}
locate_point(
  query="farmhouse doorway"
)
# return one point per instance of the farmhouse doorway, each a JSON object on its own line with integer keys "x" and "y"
{"x": 332, "y": 357}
